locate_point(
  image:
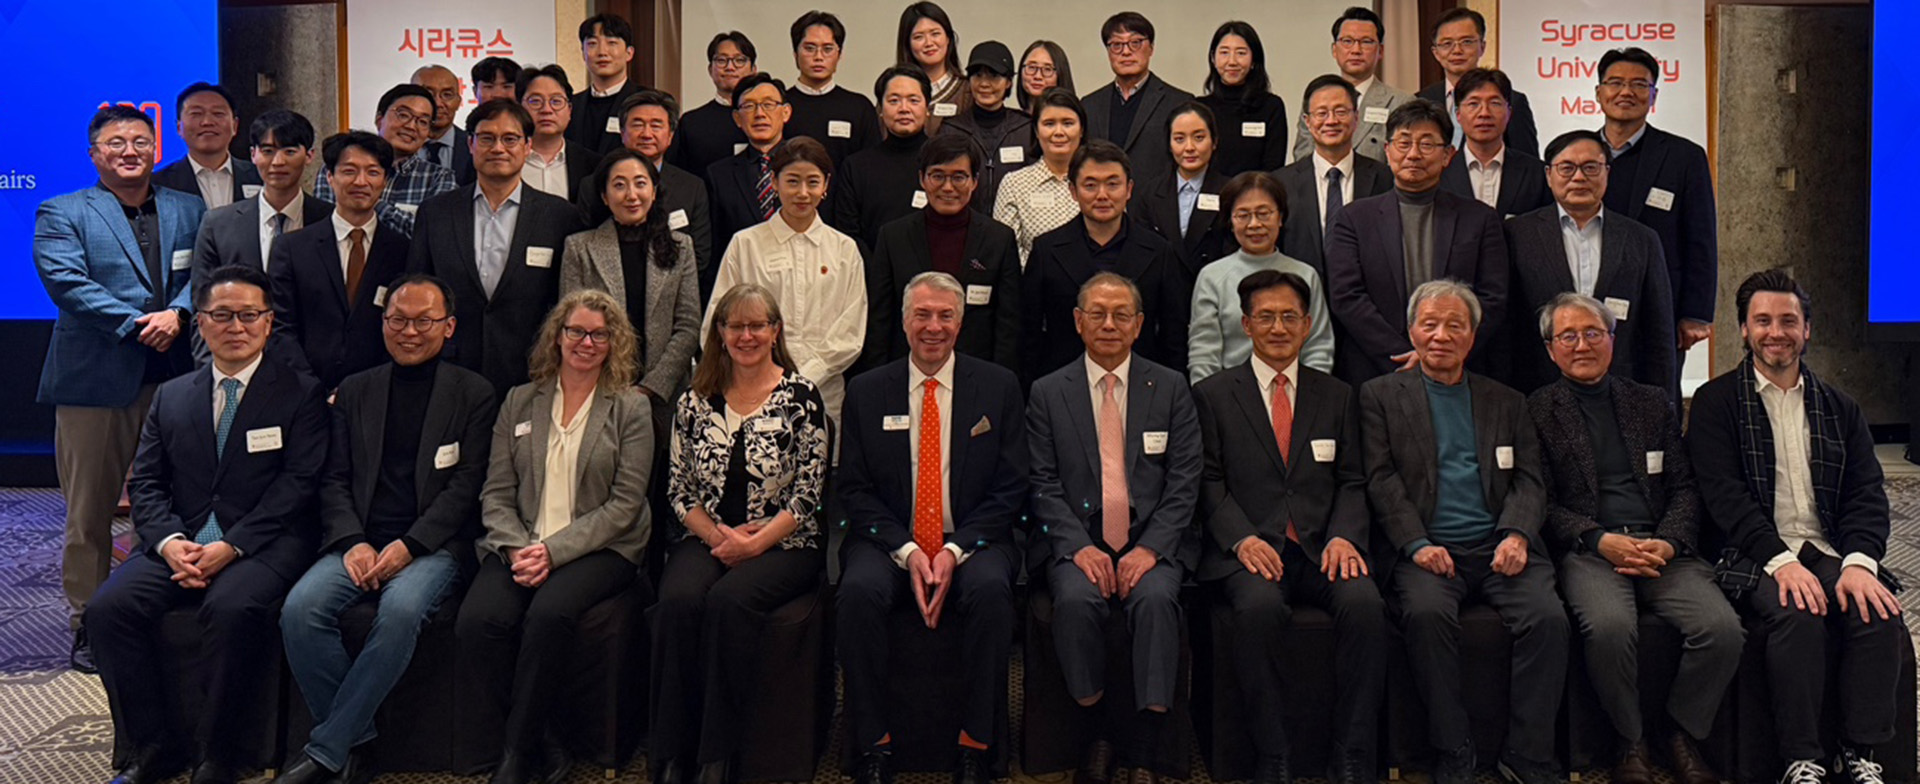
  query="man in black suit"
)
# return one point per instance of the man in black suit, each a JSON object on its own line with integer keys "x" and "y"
{"x": 1320, "y": 184}
{"x": 712, "y": 132}
{"x": 1381, "y": 248}
{"x": 1459, "y": 40}
{"x": 1131, "y": 111}
{"x": 1453, "y": 473}
{"x": 497, "y": 244}
{"x": 1283, "y": 507}
{"x": 740, "y": 186}
{"x": 947, "y": 543}
{"x": 331, "y": 279}
{"x": 1116, "y": 474}
{"x": 207, "y": 123}
{"x": 555, "y": 164}
{"x": 1663, "y": 181}
{"x": 1492, "y": 172}
{"x": 222, "y": 490}
{"x": 446, "y": 144}
{"x": 243, "y": 232}
{"x": 399, "y": 508}
{"x": 948, "y": 237}
{"x": 1184, "y": 206}
{"x": 1580, "y": 246}
{"x": 1786, "y": 463}
{"x": 606, "y": 46}
{"x": 1104, "y": 239}
{"x": 1623, "y": 515}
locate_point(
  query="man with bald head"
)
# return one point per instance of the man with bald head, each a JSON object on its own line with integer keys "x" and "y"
{"x": 446, "y": 143}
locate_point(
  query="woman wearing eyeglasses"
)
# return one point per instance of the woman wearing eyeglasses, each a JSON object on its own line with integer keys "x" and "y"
{"x": 565, "y": 516}
{"x": 1256, "y": 207}
{"x": 749, "y": 467}
{"x": 1043, "y": 66}
{"x": 1252, "y": 120}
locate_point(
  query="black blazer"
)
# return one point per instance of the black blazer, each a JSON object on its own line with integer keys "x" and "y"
{"x": 1366, "y": 277}
{"x": 1647, "y": 425}
{"x": 1689, "y": 230}
{"x": 462, "y": 156}
{"x": 991, "y": 274}
{"x": 334, "y": 337}
{"x": 987, "y": 476}
{"x": 581, "y": 162}
{"x": 1246, "y": 489}
{"x": 1208, "y": 237}
{"x": 231, "y": 235}
{"x": 1523, "y": 183}
{"x": 494, "y": 334}
{"x": 179, "y": 176}
{"x": 1522, "y": 134}
{"x": 1304, "y": 236}
{"x": 1061, "y": 261}
{"x": 263, "y": 493}
{"x": 460, "y": 413}
{"x": 733, "y": 196}
{"x": 1631, "y": 272}
{"x": 1004, "y": 148}
{"x": 1146, "y": 139}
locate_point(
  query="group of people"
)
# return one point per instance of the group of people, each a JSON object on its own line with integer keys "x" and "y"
{"x": 477, "y": 363}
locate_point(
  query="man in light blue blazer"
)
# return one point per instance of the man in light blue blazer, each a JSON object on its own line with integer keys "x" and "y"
{"x": 115, "y": 259}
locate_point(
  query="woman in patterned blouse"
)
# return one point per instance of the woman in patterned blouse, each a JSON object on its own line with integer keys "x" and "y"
{"x": 1036, "y": 199}
{"x": 749, "y": 461}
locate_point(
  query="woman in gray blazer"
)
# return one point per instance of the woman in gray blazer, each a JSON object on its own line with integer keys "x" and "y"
{"x": 565, "y": 512}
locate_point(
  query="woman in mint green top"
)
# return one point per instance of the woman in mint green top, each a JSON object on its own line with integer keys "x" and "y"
{"x": 1256, "y": 205}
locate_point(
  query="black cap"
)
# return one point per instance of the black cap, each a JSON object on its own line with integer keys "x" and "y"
{"x": 993, "y": 56}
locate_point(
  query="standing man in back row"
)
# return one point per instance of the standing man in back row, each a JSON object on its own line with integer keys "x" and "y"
{"x": 208, "y": 123}
{"x": 1131, "y": 111}
{"x": 1358, "y": 37}
{"x": 606, "y": 45}
{"x": 1459, "y": 40}
{"x": 837, "y": 117}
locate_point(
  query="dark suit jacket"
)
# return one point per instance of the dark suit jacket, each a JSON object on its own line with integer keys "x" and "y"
{"x": 1049, "y": 288}
{"x": 333, "y": 336}
{"x": 1644, "y": 343}
{"x": 733, "y": 196}
{"x": 179, "y": 176}
{"x": 1402, "y": 476}
{"x": 1157, "y": 206}
{"x": 987, "y": 477}
{"x": 461, "y": 155}
{"x": 494, "y": 333}
{"x": 1367, "y": 278}
{"x": 1163, "y": 486}
{"x": 1304, "y": 235}
{"x": 1246, "y": 488}
{"x": 1146, "y": 140}
{"x": 989, "y": 331}
{"x": 1647, "y": 425}
{"x": 264, "y": 498}
{"x": 581, "y": 162}
{"x": 1689, "y": 231}
{"x": 1523, "y": 183}
{"x": 460, "y": 412}
{"x": 231, "y": 234}
{"x": 1522, "y": 134}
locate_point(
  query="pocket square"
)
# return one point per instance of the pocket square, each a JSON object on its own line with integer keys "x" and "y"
{"x": 975, "y": 263}
{"x": 981, "y": 427}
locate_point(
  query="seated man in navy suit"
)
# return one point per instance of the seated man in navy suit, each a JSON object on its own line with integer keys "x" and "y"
{"x": 1119, "y": 529}
{"x": 222, "y": 488}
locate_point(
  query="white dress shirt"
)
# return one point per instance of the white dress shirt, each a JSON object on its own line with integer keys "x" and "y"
{"x": 1320, "y": 169}
{"x": 295, "y": 212}
{"x": 341, "y": 240}
{"x": 1485, "y": 176}
{"x": 1363, "y": 87}
{"x": 1795, "y": 515}
{"x": 245, "y": 377}
{"x": 943, "y": 396}
{"x": 805, "y": 90}
{"x": 1583, "y": 248}
{"x": 549, "y": 177}
{"x": 216, "y": 185}
{"x": 599, "y": 93}
{"x": 819, "y": 280}
{"x": 563, "y": 458}
{"x": 1264, "y": 376}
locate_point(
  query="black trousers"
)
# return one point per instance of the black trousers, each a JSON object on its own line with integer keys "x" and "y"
{"x": 499, "y": 613}
{"x": 1262, "y": 612}
{"x": 981, "y": 599}
{"x": 706, "y": 644}
{"x": 238, "y": 613}
{"x": 1797, "y": 664}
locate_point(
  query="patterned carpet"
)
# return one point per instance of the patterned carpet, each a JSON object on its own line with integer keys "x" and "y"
{"x": 54, "y": 726}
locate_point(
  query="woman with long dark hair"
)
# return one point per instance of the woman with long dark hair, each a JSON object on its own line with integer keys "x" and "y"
{"x": 926, "y": 41}
{"x": 1043, "y": 66}
{"x": 1252, "y": 120}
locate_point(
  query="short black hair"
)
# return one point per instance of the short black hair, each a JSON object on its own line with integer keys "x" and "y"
{"x": 487, "y": 69}
{"x": 650, "y": 97}
{"x": 1247, "y": 182}
{"x": 812, "y": 19}
{"x": 1197, "y": 109}
{"x": 1481, "y": 77}
{"x": 1420, "y": 110}
{"x": 1269, "y": 279}
{"x": 118, "y": 112}
{"x": 335, "y": 147}
{"x": 1359, "y": 14}
{"x": 1457, "y": 14}
{"x": 897, "y": 71}
{"x": 739, "y": 39}
{"x": 1061, "y": 98}
{"x": 530, "y": 73}
{"x": 1631, "y": 54}
{"x": 1563, "y": 141}
{"x": 233, "y": 273}
{"x": 610, "y": 26}
{"x": 802, "y": 149}
{"x": 1325, "y": 81}
{"x": 1776, "y": 280}
{"x": 949, "y": 147}
{"x": 422, "y": 279}
{"x": 180, "y": 102}
{"x": 1130, "y": 21}
{"x": 288, "y": 129}
{"x": 496, "y": 107}
{"x": 747, "y": 83}
{"x": 1097, "y": 151}
{"x": 398, "y": 92}
{"x": 1257, "y": 83}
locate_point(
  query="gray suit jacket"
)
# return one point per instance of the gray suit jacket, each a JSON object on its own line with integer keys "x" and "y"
{"x": 1304, "y": 235}
{"x": 231, "y": 235}
{"x": 610, "y": 510}
{"x": 1370, "y": 138}
{"x": 591, "y": 260}
{"x": 1632, "y": 270}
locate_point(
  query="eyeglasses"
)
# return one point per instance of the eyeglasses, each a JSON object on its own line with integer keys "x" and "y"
{"x": 119, "y": 144}
{"x": 1358, "y": 43}
{"x": 536, "y": 103}
{"x": 404, "y": 117}
{"x": 419, "y": 324}
{"x": 756, "y": 107}
{"x": 1425, "y": 146}
{"x": 1566, "y": 169}
{"x": 1036, "y": 69}
{"x": 822, "y": 50}
{"x": 743, "y": 327}
{"x": 1322, "y": 115}
{"x": 1119, "y": 318}
{"x": 486, "y": 141}
{"x": 1451, "y": 44}
{"x": 1474, "y": 105}
{"x": 1266, "y": 319}
{"x": 956, "y": 179}
{"x": 224, "y": 316}
{"x": 731, "y": 62}
{"x": 577, "y": 334}
{"x": 1264, "y": 215}
{"x": 1636, "y": 85}
{"x": 1570, "y": 338}
{"x": 1128, "y": 45}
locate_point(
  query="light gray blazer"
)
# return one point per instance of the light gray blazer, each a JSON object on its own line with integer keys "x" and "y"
{"x": 591, "y": 260}
{"x": 1369, "y": 138}
{"x": 610, "y": 496}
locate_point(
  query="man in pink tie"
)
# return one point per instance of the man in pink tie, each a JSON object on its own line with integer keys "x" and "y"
{"x": 1116, "y": 474}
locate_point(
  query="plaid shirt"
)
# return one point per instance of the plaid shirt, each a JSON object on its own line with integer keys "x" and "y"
{"x": 414, "y": 180}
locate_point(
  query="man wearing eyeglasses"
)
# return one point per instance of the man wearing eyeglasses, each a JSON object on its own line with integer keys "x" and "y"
{"x": 740, "y": 185}
{"x": 1623, "y": 516}
{"x": 837, "y": 117}
{"x": 399, "y": 508}
{"x": 1492, "y": 172}
{"x": 1459, "y": 41}
{"x": 1663, "y": 181}
{"x": 114, "y": 259}
{"x": 1358, "y": 37}
{"x": 1131, "y": 111}
{"x": 207, "y": 123}
{"x": 1578, "y": 245}
{"x": 405, "y": 114}
{"x": 555, "y": 164}
{"x": 1333, "y": 176}
{"x": 711, "y": 132}
{"x": 497, "y": 244}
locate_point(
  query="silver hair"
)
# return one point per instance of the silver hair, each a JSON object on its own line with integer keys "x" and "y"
{"x": 938, "y": 281}
{"x": 1573, "y": 299}
{"x": 1108, "y": 279}
{"x": 1445, "y": 287}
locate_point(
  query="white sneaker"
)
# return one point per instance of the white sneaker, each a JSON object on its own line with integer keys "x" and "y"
{"x": 1859, "y": 768}
{"x": 1804, "y": 772}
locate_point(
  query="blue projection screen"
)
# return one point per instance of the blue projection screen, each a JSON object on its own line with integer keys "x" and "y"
{"x": 1893, "y": 252}
{"x": 137, "y": 52}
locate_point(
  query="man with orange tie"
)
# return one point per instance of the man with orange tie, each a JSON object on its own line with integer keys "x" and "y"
{"x": 1116, "y": 474}
{"x": 933, "y": 475}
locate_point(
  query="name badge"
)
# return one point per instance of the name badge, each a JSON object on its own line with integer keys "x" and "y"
{"x": 522, "y": 429}
{"x": 1657, "y": 462}
{"x": 896, "y": 422}
{"x": 1324, "y": 450}
{"x": 407, "y": 208}
{"x": 767, "y": 425}
{"x": 1253, "y": 130}
{"x": 1374, "y": 114}
{"x": 1155, "y": 442}
{"x": 182, "y": 259}
{"x": 613, "y": 125}
{"x": 919, "y": 199}
{"x": 447, "y": 456}
{"x": 1619, "y": 307}
{"x": 540, "y": 257}
{"x": 839, "y": 129}
{"x": 978, "y": 294}
{"x": 1208, "y": 201}
{"x": 945, "y": 109}
{"x": 1660, "y": 199}
{"x": 738, "y": 146}
{"x": 1503, "y": 457}
{"x": 677, "y": 219}
{"x": 380, "y": 296}
{"x": 265, "y": 439}
{"x": 1013, "y": 155}
{"x": 249, "y": 191}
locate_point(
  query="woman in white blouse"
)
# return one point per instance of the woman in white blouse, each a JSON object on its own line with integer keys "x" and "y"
{"x": 566, "y": 519}
{"x": 1036, "y": 199}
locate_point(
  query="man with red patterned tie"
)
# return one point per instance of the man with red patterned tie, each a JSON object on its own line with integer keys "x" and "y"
{"x": 933, "y": 475}
{"x": 1116, "y": 475}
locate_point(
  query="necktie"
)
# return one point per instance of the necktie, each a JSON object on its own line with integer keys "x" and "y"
{"x": 433, "y": 153}
{"x": 763, "y": 191}
{"x": 1114, "y": 517}
{"x": 229, "y": 405}
{"x": 928, "y": 530}
{"x": 1334, "y": 199}
{"x": 279, "y": 224}
{"x": 356, "y": 262}
{"x": 1283, "y": 433}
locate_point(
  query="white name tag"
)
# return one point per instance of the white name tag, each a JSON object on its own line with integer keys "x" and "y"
{"x": 945, "y": 109}
{"x": 767, "y": 425}
{"x": 540, "y": 257}
{"x": 1324, "y": 450}
{"x": 522, "y": 429}
{"x": 249, "y": 191}
{"x": 1503, "y": 457}
{"x": 738, "y": 146}
{"x": 447, "y": 456}
{"x": 1374, "y": 114}
{"x": 182, "y": 259}
{"x": 380, "y": 297}
{"x": 839, "y": 129}
{"x": 677, "y": 219}
{"x": 265, "y": 439}
{"x": 407, "y": 208}
{"x": 978, "y": 294}
{"x": 1253, "y": 130}
{"x": 1660, "y": 199}
{"x": 896, "y": 422}
{"x": 1656, "y": 462}
{"x": 1154, "y": 442}
{"x": 613, "y": 125}
{"x": 1209, "y": 202}
{"x": 919, "y": 199}
{"x": 1013, "y": 155}
{"x": 1619, "y": 307}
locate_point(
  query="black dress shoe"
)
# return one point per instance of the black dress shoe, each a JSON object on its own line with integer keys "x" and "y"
{"x": 872, "y": 769}
{"x": 1098, "y": 767}
{"x": 81, "y": 658}
{"x": 1273, "y": 770}
{"x": 713, "y": 773}
{"x": 214, "y": 772}
{"x": 673, "y": 771}
{"x": 556, "y": 761}
{"x": 974, "y": 767}
{"x": 358, "y": 770}
{"x": 1350, "y": 767}
{"x": 307, "y": 771}
{"x": 150, "y": 765}
{"x": 1633, "y": 767}
{"x": 515, "y": 768}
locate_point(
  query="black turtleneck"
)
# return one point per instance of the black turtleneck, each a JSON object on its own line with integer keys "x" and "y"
{"x": 989, "y": 118}
{"x": 395, "y": 504}
{"x": 1618, "y": 502}
{"x": 633, "y": 267}
{"x": 876, "y": 187}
